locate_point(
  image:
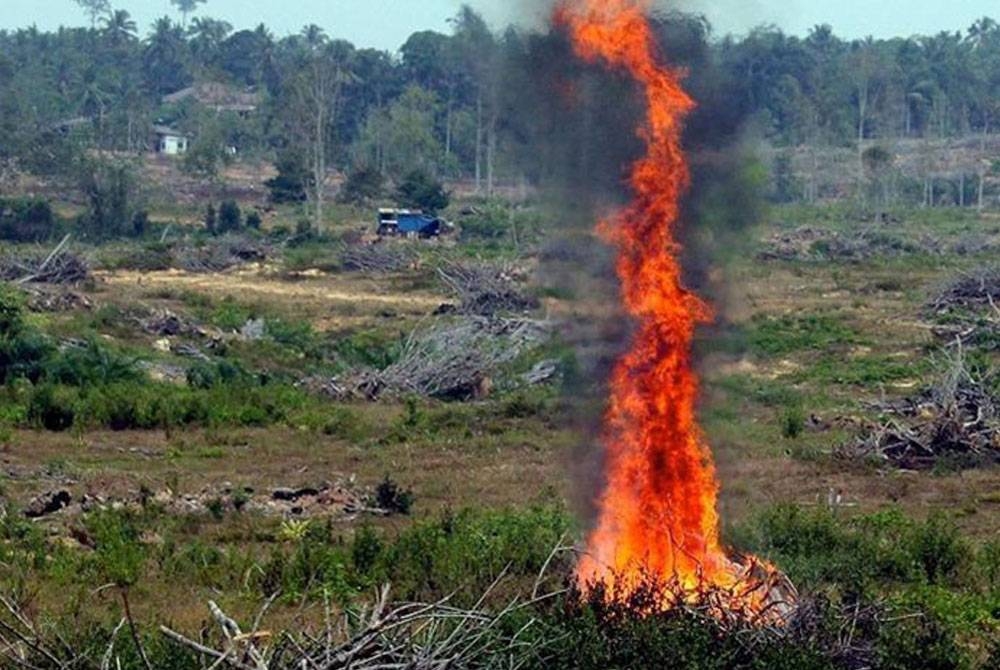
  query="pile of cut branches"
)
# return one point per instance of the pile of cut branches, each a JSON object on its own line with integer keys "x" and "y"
{"x": 486, "y": 289}
{"x": 968, "y": 309}
{"x": 956, "y": 421}
{"x": 454, "y": 360}
{"x": 381, "y": 258}
{"x": 58, "y": 267}
{"x": 817, "y": 244}
{"x": 220, "y": 254}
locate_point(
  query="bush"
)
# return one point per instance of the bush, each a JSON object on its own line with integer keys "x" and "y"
{"x": 420, "y": 190}
{"x": 289, "y": 186}
{"x": 230, "y": 217}
{"x": 23, "y": 350}
{"x": 391, "y": 497}
{"x": 254, "y": 220}
{"x": 140, "y": 223}
{"x": 53, "y": 407}
{"x": 26, "y": 220}
{"x": 211, "y": 219}
{"x": 364, "y": 185}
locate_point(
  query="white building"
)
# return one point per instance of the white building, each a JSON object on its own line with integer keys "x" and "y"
{"x": 169, "y": 141}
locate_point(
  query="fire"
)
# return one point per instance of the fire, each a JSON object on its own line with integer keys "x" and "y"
{"x": 658, "y": 515}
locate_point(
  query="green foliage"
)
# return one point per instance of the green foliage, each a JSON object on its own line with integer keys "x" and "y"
{"x": 254, "y": 221}
{"x": 230, "y": 217}
{"x": 390, "y": 496}
{"x": 365, "y": 185}
{"x": 780, "y": 336}
{"x": 793, "y": 422}
{"x": 26, "y": 220}
{"x": 211, "y": 219}
{"x": 289, "y": 186}
{"x": 111, "y": 186}
{"x": 420, "y": 190}
{"x": 53, "y": 407}
{"x": 118, "y": 555}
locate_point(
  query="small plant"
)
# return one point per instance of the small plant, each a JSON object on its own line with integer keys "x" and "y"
{"x": 294, "y": 530}
{"x": 211, "y": 219}
{"x": 389, "y": 496}
{"x": 254, "y": 220}
{"x": 793, "y": 422}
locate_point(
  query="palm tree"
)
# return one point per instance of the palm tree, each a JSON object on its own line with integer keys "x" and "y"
{"x": 314, "y": 36}
{"x": 120, "y": 28}
{"x": 185, "y": 7}
{"x": 982, "y": 31}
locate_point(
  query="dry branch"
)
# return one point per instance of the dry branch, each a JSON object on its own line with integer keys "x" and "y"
{"x": 377, "y": 258}
{"x": 956, "y": 419}
{"x": 486, "y": 289}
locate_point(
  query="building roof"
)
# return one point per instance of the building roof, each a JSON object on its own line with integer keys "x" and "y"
{"x": 218, "y": 96}
{"x": 168, "y": 131}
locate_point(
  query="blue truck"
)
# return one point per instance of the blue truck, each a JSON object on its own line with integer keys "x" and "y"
{"x": 408, "y": 223}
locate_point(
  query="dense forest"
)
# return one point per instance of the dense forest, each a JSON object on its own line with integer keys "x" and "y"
{"x": 454, "y": 104}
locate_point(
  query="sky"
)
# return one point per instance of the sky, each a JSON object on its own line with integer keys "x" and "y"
{"x": 386, "y": 24}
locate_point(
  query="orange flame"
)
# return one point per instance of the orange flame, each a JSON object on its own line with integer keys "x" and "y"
{"x": 657, "y": 515}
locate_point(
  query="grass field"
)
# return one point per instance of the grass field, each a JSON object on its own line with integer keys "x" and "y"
{"x": 798, "y": 350}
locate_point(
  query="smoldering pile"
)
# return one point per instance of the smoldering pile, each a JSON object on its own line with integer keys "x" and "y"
{"x": 955, "y": 422}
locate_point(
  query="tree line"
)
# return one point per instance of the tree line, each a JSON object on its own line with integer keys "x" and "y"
{"x": 453, "y": 104}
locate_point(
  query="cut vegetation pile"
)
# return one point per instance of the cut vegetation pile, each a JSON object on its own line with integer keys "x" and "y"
{"x": 487, "y": 289}
{"x": 817, "y": 244}
{"x": 456, "y": 360}
{"x": 378, "y": 258}
{"x": 956, "y": 422}
{"x": 968, "y": 309}
{"x": 60, "y": 267}
{"x": 220, "y": 254}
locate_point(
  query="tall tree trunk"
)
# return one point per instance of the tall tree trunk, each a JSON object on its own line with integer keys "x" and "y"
{"x": 491, "y": 152}
{"x": 479, "y": 141}
{"x": 982, "y": 181}
{"x": 319, "y": 162}
{"x": 447, "y": 121}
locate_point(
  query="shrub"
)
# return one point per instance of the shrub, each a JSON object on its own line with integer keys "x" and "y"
{"x": 420, "y": 190}
{"x": 53, "y": 407}
{"x": 289, "y": 186}
{"x": 254, "y": 221}
{"x": 364, "y": 185}
{"x": 211, "y": 219}
{"x": 26, "y": 220}
{"x": 230, "y": 217}
{"x": 140, "y": 223}
{"x": 793, "y": 422}
{"x": 391, "y": 497}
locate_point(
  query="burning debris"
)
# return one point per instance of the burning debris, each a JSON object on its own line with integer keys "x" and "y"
{"x": 487, "y": 289}
{"x": 956, "y": 421}
{"x": 658, "y": 513}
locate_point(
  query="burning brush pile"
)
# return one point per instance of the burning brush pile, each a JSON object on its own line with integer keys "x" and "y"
{"x": 956, "y": 421}
{"x": 657, "y": 517}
